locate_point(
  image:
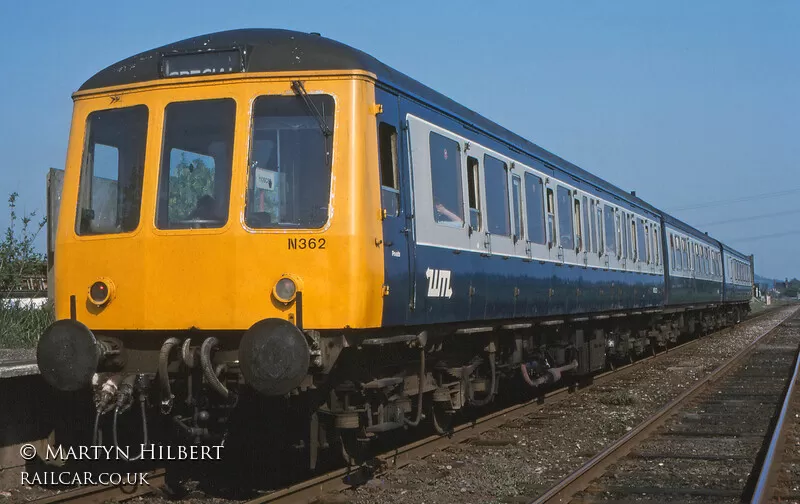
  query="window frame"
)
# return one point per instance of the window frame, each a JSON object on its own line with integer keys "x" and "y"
{"x": 145, "y": 158}
{"x": 459, "y": 189}
{"x": 507, "y": 196}
{"x": 529, "y": 205}
{"x": 395, "y": 157}
{"x": 517, "y": 224}
{"x": 165, "y": 152}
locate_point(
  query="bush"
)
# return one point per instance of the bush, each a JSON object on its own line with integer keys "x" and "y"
{"x": 21, "y": 324}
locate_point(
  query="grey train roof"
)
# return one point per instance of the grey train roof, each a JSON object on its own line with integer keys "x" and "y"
{"x": 274, "y": 50}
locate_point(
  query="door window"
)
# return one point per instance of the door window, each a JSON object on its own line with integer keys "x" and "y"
{"x": 390, "y": 187}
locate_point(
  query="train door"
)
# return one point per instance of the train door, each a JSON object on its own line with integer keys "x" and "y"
{"x": 553, "y": 244}
{"x": 398, "y": 287}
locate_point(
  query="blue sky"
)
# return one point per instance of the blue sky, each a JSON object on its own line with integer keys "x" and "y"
{"x": 686, "y": 102}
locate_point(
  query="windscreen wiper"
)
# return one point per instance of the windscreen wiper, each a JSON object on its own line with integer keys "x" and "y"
{"x": 300, "y": 91}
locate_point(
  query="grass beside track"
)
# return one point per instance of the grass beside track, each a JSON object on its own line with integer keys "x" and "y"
{"x": 20, "y": 326}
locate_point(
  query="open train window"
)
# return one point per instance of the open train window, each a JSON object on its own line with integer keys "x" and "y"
{"x": 496, "y": 185}
{"x": 534, "y": 206}
{"x": 611, "y": 245}
{"x": 390, "y": 186}
{"x": 474, "y": 196}
{"x": 516, "y": 200}
{"x": 565, "y": 227}
{"x": 110, "y": 191}
{"x": 448, "y": 203}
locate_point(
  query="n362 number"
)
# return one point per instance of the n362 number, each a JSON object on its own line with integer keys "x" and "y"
{"x": 306, "y": 243}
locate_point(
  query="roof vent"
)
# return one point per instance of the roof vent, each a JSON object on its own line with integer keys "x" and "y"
{"x": 315, "y": 34}
{"x": 633, "y": 193}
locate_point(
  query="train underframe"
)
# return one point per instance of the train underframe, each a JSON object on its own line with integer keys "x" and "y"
{"x": 362, "y": 387}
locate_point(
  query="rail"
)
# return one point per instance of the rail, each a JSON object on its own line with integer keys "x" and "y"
{"x": 767, "y": 479}
{"x": 580, "y": 480}
{"x": 347, "y": 478}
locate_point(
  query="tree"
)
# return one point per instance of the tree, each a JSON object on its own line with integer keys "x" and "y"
{"x": 18, "y": 257}
{"x": 191, "y": 180}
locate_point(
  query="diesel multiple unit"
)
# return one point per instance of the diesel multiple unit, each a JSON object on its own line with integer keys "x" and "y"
{"x": 266, "y": 213}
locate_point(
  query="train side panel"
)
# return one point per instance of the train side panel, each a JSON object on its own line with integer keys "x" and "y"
{"x": 474, "y": 268}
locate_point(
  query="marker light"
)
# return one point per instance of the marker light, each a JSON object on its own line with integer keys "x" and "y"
{"x": 100, "y": 292}
{"x": 285, "y": 290}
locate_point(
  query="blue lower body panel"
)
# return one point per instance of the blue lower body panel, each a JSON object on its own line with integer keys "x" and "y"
{"x": 694, "y": 291}
{"x": 465, "y": 286}
{"x": 737, "y": 293}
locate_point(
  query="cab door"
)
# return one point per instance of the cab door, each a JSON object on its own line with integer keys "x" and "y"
{"x": 395, "y": 213}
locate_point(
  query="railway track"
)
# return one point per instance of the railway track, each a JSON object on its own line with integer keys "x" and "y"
{"x": 779, "y": 480}
{"x": 703, "y": 445}
{"x": 343, "y": 479}
{"x": 346, "y": 478}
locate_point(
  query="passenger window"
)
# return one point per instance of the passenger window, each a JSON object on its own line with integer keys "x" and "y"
{"x": 474, "y": 195}
{"x": 194, "y": 187}
{"x": 578, "y": 224}
{"x": 624, "y": 228}
{"x": 688, "y": 266}
{"x": 551, "y": 218}
{"x": 611, "y": 246}
{"x": 619, "y": 236}
{"x": 110, "y": 192}
{"x": 649, "y": 255}
{"x": 629, "y": 226}
{"x": 390, "y": 187}
{"x": 448, "y": 203}
{"x": 534, "y": 205}
{"x": 565, "y": 229}
{"x": 595, "y": 224}
{"x": 516, "y": 184}
{"x": 657, "y": 245}
{"x": 497, "y": 208}
{"x": 600, "y": 234}
{"x": 587, "y": 227}
{"x": 641, "y": 241}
